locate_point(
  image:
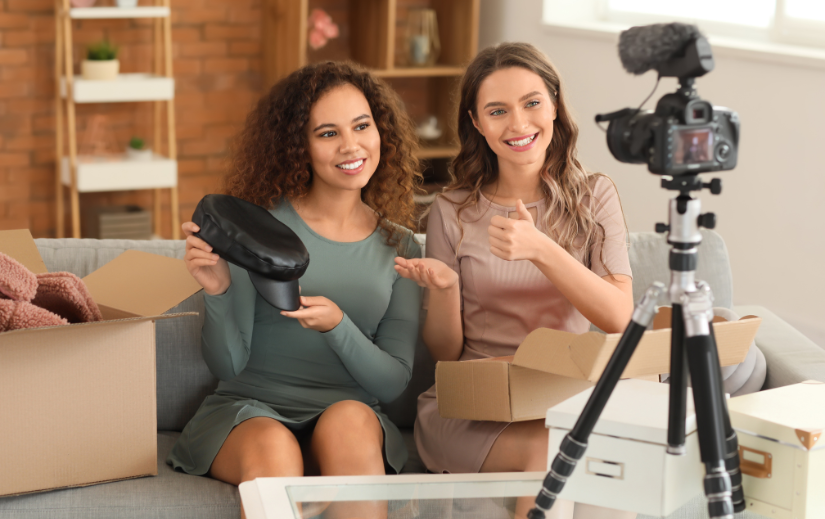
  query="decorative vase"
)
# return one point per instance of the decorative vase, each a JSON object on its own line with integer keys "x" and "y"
{"x": 100, "y": 69}
{"x": 127, "y": 3}
{"x": 143, "y": 155}
{"x": 83, "y": 3}
{"x": 423, "y": 44}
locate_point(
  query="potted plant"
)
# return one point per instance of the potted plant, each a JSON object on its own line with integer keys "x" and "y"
{"x": 101, "y": 62}
{"x": 137, "y": 150}
{"x": 127, "y": 3}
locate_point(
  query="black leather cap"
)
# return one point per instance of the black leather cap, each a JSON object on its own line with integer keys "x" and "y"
{"x": 248, "y": 236}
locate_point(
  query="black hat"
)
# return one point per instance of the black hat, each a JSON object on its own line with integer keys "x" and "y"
{"x": 248, "y": 236}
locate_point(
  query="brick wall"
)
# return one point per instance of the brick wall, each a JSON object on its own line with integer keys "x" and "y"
{"x": 217, "y": 69}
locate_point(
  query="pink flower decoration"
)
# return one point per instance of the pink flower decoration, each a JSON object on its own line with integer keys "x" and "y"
{"x": 317, "y": 39}
{"x": 321, "y": 28}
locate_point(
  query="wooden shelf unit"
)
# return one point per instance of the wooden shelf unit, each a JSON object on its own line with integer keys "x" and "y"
{"x": 93, "y": 174}
{"x": 376, "y": 41}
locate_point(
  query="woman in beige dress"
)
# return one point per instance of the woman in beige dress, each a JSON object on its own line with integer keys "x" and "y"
{"x": 522, "y": 238}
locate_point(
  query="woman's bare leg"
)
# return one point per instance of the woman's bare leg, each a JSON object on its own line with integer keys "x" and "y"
{"x": 258, "y": 447}
{"x": 348, "y": 440}
{"x": 522, "y": 447}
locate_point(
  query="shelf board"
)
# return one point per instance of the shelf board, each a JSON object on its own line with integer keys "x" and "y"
{"x": 126, "y": 88}
{"x": 438, "y": 70}
{"x": 117, "y": 173}
{"x": 437, "y": 152}
{"x": 91, "y": 13}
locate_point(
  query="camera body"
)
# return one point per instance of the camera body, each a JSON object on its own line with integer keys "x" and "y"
{"x": 685, "y": 135}
{"x": 682, "y": 136}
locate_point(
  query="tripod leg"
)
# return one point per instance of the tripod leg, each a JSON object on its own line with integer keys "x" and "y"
{"x": 575, "y": 442}
{"x": 677, "y": 408}
{"x": 708, "y": 398}
{"x": 732, "y": 446}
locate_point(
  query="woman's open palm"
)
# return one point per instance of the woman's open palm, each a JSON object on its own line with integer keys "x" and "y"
{"x": 427, "y": 272}
{"x": 208, "y": 269}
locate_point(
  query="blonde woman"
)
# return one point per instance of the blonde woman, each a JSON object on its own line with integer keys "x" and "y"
{"x": 522, "y": 238}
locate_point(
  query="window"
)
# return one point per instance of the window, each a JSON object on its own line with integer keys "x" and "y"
{"x": 800, "y": 22}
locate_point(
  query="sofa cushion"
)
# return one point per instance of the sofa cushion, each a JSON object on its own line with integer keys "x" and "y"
{"x": 169, "y": 494}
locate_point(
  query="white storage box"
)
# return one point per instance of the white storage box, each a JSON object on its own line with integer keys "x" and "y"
{"x": 626, "y": 465}
{"x": 781, "y": 450}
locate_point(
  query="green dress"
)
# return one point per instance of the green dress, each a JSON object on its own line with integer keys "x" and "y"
{"x": 269, "y": 365}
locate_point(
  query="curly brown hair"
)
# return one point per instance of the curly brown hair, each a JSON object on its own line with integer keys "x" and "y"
{"x": 270, "y": 158}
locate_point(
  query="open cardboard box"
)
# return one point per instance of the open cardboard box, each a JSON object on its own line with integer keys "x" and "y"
{"x": 77, "y": 402}
{"x": 551, "y": 366}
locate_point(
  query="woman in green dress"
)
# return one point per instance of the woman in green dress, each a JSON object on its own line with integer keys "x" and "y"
{"x": 331, "y": 153}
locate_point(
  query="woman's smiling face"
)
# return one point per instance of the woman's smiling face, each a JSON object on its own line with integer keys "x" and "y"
{"x": 344, "y": 144}
{"x": 515, "y": 115}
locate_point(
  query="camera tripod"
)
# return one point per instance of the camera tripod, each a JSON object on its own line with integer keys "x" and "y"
{"x": 693, "y": 354}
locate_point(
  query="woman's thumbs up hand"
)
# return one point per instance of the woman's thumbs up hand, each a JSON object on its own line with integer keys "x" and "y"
{"x": 523, "y": 213}
{"x": 515, "y": 239}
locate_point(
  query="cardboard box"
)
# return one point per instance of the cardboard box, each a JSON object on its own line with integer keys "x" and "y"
{"x": 626, "y": 465}
{"x": 551, "y": 366}
{"x": 77, "y": 403}
{"x": 781, "y": 450}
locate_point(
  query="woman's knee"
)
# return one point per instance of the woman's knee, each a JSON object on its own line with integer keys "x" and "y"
{"x": 522, "y": 446}
{"x": 348, "y": 424}
{"x": 258, "y": 447}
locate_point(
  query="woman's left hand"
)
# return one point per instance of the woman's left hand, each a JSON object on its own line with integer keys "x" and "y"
{"x": 515, "y": 239}
{"x": 317, "y": 313}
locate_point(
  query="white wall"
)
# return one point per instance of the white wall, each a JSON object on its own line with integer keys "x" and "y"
{"x": 772, "y": 207}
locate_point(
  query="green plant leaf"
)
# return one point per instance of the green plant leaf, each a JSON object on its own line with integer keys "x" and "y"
{"x": 101, "y": 51}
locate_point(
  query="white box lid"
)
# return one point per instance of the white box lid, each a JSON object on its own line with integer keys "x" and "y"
{"x": 636, "y": 410}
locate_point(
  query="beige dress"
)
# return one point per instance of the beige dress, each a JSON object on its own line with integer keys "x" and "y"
{"x": 502, "y": 301}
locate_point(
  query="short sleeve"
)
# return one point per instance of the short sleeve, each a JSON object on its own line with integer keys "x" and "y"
{"x": 442, "y": 237}
{"x": 610, "y": 256}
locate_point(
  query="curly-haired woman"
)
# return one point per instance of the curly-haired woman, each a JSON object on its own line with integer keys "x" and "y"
{"x": 522, "y": 238}
{"x": 331, "y": 153}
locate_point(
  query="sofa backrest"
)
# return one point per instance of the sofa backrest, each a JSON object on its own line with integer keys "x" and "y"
{"x": 184, "y": 381}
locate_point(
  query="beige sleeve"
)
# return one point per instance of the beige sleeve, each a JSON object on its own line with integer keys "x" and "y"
{"x": 442, "y": 238}
{"x": 611, "y": 256}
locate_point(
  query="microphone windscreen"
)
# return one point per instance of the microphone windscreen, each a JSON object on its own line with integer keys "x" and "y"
{"x": 649, "y": 46}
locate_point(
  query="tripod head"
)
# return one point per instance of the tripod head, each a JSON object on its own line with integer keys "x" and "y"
{"x": 682, "y": 232}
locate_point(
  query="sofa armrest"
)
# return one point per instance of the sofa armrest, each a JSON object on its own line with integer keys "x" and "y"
{"x": 791, "y": 357}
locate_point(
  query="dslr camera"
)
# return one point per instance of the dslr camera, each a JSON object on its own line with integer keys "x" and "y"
{"x": 685, "y": 135}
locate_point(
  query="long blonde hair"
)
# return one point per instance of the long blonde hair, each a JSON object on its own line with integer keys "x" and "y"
{"x": 564, "y": 179}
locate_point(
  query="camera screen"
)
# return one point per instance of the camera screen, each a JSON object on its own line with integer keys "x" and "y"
{"x": 693, "y": 146}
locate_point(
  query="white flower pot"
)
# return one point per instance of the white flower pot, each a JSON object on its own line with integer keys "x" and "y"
{"x": 143, "y": 155}
{"x": 127, "y": 3}
{"x": 100, "y": 69}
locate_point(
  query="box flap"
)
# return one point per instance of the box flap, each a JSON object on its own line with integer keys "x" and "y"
{"x": 550, "y": 351}
{"x": 637, "y": 409}
{"x": 141, "y": 283}
{"x": 663, "y": 315}
{"x": 584, "y": 356}
{"x": 19, "y": 244}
